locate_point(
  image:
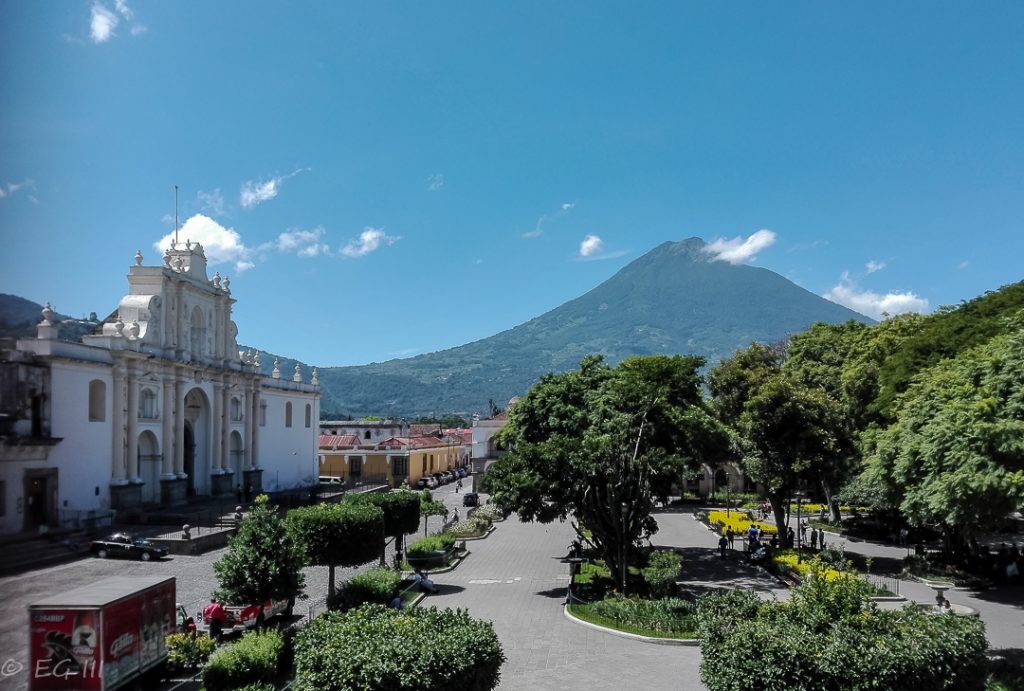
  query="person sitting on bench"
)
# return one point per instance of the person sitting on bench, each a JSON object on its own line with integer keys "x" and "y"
{"x": 425, "y": 584}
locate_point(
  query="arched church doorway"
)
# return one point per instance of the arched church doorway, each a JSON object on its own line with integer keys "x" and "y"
{"x": 197, "y": 442}
{"x": 190, "y": 458}
{"x": 237, "y": 455}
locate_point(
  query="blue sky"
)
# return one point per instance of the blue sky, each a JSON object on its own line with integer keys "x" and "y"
{"x": 382, "y": 179}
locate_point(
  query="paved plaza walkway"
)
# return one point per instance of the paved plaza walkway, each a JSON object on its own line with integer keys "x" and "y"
{"x": 515, "y": 579}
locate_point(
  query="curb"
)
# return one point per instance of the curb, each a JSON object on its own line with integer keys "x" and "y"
{"x": 478, "y": 537}
{"x": 633, "y": 636}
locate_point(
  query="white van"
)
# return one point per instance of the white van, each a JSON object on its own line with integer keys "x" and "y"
{"x": 331, "y": 480}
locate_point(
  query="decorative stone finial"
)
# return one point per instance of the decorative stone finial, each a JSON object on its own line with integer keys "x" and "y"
{"x": 198, "y": 249}
{"x": 188, "y": 244}
{"x": 315, "y": 381}
{"x": 276, "y": 374}
{"x": 167, "y": 258}
{"x": 133, "y": 330}
{"x": 179, "y": 264}
{"x": 227, "y": 284}
{"x": 298, "y": 374}
{"x": 119, "y": 327}
{"x": 256, "y": 360}
{"x": 216, "y": 280}
{"x": 48, "y": 315}
{"x": 138, "y": 257}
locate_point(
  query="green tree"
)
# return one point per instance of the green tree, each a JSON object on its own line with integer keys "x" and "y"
{"x": 429, "y": 507}
{"x": 401, "y": 513}
{"x": 263, "y": 561}
{"x": 345, "y": 534}
{"x": 584, "y": 445}
{"x": 955, "y": 455}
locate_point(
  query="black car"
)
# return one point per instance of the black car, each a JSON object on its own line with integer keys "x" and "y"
{"x": 125, "y": 546}
{"x": 470, "y": 499}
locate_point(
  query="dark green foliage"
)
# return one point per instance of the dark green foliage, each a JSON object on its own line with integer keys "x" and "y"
{"x": 947, "y": 333}
{"x": 379, "y": 585}
{"x": 830, "y": 637}
{"x": 345, "y": 534}
{"x": 662, "y": 572}
{"x": 253, "y": 659}
{"x": 401, "y": 513}
{"x": 586, "y": 444}
{"x": 264, "y": 560}
{"x": 375, "y": 648}
{"x": 667, "y": 616}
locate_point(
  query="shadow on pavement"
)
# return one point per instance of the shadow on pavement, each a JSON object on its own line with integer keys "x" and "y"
{"x": 554, "y": 593}
{"x": 704, "y": 570}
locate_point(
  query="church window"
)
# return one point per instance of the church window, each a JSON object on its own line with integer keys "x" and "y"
{"x": 236, "y": 409}
{"x": 288, "y": 414}
{"x": 263, "y": 413}
{"x": 309, "y": 415}
{"x": 97, "y": 401}
{"x": 366, "y": 435}
{"x": 147, "y": 405}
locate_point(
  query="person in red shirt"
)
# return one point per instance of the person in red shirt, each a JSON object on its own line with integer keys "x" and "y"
{"x": 214, "y": 615}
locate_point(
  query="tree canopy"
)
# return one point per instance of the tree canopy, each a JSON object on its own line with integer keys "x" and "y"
{"x": 332, "y": 535}
{"x": 584, "y": 445}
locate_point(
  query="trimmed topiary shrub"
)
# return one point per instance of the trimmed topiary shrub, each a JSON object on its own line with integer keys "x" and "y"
{"x": 432, "y": 543}
{"x": 253, "y": 659}
{"x": 375, "y": 648}
{"x": 378, "y": 585}
{"x": 829, "y": 635}
{"x": 661, "y": 573}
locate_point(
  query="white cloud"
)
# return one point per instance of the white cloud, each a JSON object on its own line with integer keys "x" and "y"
{"x": 538, "y": 229}
{"x": 435, "y": 182}
{"x": 369, "y": 240}
{"x": 12, "y": 187}
{"x": 122, "y": 8}
{"x": 738, "y": 250}
{"x": 873, "y": 266}
{"x": 873, "y": 304}
{"x": 211, "y": 202}
{"x": 139, "y": 29}
{"x": 254, "y": 192}
{"x": 305, "y": 243}
{"x": 222, "y": 245}
{"x": 591, "y": 245}
{"x": 102, "y": 23}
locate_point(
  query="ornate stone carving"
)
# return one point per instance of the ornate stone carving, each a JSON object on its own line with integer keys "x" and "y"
{"x": 315, "y": 381}
{"x": 276, "y": 374}
{"x": 298, "y": 374}
{"x": 138, "y": 257}
{"x": 48, "y": 315}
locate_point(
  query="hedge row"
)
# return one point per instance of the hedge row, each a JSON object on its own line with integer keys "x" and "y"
{"x": 254, "y": 659}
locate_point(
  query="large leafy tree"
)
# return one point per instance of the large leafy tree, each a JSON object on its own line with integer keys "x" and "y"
{"x": 955, "y": 455}
{"x": 345, "y": 534}
{"x": 585, "y": 444}
{"x": 264, "y": 560}
{"x": 788, "y": 434}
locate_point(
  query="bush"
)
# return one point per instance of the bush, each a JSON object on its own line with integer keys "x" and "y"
{"x": 186, "y": 651}
{"x": 432, "y": 543}
{"x": 374, "y": 647}
{"x": 253, "y": 659}
{"x": 661, "y": 573}
{"x": 739, "y": 523}
{"x": 469, "y": 527}
{"x": 379, "y": 585}
{"x": 489, "y": 512}
{"x": 651, "y": 617}
{"x": 830, "y": 636}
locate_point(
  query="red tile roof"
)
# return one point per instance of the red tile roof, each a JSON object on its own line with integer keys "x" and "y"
{"x": 329, "y": 441}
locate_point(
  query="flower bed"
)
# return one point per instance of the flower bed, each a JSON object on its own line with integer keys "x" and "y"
{"x": 722, "y": 521}
{"x": 667, "y": 618}
{"x": 469, "y": 527}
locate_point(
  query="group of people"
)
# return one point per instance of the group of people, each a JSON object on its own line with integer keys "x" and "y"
{"x": 756, "y": 548}
{"x": 245, "y": 494}
{"x": 817, "y": 537}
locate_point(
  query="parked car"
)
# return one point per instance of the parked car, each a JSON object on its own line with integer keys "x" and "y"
{"x": 462, "y": 472}
{"x": 427, "y": 482}
{"x": 126, "y": 546}
{"x": 470, "y": 499}
{"x": 448, "y": 476}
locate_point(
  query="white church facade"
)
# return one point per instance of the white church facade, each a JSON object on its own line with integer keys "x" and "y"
{"x": 155, "y": 407}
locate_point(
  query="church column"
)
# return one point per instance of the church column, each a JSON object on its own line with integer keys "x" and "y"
{"x": 133, "y": 427}
{"x": 117, "y": 470}
{"x": 225, "y": 441}
{"x": 254, "y": 422}
{"x": 179, "y": 427}
{"x": 248, "y": 464}
{"x": 219, "y": 429}
{"x": 167, "y": 443}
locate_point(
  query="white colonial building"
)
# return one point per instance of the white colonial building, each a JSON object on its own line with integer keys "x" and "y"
{"x": 156, "y": 406}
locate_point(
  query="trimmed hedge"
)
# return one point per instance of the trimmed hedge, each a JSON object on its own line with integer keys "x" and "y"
{"x": 378, "y": 585}
{"x": 670, "y": 616}
{"x": 829, "y": 636}
{"x": 375, "y": 648}
{"x": 253, "y": 659}
{"x": 186, "y": 651}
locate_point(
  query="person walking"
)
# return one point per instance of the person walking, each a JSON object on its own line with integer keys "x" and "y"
{"x": 458, "y": 486}
{"x": 814, "y": 538}
{"x": 723, "y": 543}
{"x": 731, "y": 535}
{"x": 215, "y": 616}
{"x": 821, "y": 539}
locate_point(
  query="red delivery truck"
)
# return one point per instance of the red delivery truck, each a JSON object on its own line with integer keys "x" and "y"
{"x": 101, "y": 636}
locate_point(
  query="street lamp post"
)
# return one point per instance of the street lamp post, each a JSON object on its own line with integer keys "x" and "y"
{"x": 728, "y": 504}
{"x": 799, "y": 528}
